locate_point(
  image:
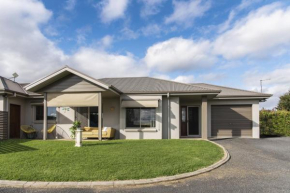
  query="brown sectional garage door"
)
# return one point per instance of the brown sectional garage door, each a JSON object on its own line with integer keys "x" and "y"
{"x": 231, "y": 121}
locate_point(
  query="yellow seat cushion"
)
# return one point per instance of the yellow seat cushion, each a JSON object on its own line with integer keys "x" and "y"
{"x": 93, "y": 132}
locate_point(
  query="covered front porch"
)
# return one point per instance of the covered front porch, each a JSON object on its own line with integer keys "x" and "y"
{"x": 87, "y": 107}
{"x": 77, "y": 97}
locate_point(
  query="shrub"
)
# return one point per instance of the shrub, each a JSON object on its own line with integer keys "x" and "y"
{"x": 76, "y": 124}
{"x": 275, "y": 123}
{"x": 284, "y": 102}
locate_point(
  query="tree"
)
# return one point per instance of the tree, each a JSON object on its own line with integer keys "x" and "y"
{"x": 284, "y": 102}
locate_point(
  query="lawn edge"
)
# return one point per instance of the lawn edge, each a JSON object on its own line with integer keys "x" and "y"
{"x": 94, "y": 184}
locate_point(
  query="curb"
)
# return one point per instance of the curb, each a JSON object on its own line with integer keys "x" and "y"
{"x": 36, "y": 184}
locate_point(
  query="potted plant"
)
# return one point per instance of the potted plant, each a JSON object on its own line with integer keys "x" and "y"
{"x": 76, "y": 125}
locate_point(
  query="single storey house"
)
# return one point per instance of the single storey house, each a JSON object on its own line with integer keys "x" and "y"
{"x": 136, "y": 107}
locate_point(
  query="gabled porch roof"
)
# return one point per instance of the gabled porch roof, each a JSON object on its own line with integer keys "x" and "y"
{"x": 41, "y": 83}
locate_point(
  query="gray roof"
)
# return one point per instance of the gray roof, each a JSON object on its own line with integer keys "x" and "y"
{"x": 232, "y": 92}
{"x": 153, "y": 85}
{"x": 149, "y": 85}
{"x": 28, "y": 92}
{"x": 9, "y": 85}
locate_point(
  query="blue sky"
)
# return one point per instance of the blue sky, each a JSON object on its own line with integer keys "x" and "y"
{"x": 225, "y": 42}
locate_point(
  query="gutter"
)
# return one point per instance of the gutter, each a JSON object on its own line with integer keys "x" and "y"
{"x": 235, "y": 98}
{"x": 177, "y": 92}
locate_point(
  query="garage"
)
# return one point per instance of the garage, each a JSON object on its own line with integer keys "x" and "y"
{"x": 231, "y": 120}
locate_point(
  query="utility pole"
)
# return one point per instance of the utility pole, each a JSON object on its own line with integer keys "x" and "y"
{"x": 261, "y": 84}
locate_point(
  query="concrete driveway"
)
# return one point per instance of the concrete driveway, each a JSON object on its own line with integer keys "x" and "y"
{"x": 256, "y": 165}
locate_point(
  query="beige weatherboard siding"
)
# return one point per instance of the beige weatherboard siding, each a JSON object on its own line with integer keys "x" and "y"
{"x": 141, "y": 133}
{"x": 72, "y": 99}
{"x": 72, "y": 83}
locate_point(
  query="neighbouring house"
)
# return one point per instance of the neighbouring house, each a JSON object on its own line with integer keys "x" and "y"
{"x": 137, "y": 107}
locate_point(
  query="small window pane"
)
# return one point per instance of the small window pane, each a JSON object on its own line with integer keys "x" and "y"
{"x": 133, "y": 117}
{"x": 148, "y": 117}
{"x": 51, "y": 113}
{"x": 39, "y": 113}
{"x": 183, "y": 114}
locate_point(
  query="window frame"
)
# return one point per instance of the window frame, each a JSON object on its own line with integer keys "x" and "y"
{"x": 140, "y": 125}
{"x": 41, "y": 121}
{"x": 88, "y": 114}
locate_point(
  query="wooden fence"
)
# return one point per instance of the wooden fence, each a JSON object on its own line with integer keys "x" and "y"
{"x": 3, "y": 125}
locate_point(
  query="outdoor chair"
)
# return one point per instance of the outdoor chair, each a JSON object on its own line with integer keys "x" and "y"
{"x": 28, "y": 131}
{"x": 50, "y": 130}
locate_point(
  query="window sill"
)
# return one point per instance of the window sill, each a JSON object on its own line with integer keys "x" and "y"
{"x": 141, "y": 130}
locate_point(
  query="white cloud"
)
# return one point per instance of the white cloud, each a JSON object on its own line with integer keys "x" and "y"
{"x": 179, "y": 54}
{"x": 112, "y": 9}
{"x": 278, "y": 85}
{"x": 211, "y": 77}
{"x": 70, "y": 5}
{"x": 185, "y": 79}
{"x": 82, "y": 34}
{"x": 24, "y": 49}
{"x": 151, "y": 29}
{"x": 106, "y": 41}
{"x": 151, "y": 7}
{"x": 185, "y": 12}
{"x": 127, "y": 33}
{"x": 101, "y": 64}
{"x": 51, "y": 31}
{"x": 161, "y": 76}
{"x": 260, "y": 34}
{"x": 243, "y": 5}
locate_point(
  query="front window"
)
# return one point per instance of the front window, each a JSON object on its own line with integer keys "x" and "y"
{"x": 88, "y": 116}
{"x": 140, "y": 117}
{"x": 51, "y": 113}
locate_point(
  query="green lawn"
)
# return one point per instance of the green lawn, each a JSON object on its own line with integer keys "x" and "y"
{"x": 52, "y": 160}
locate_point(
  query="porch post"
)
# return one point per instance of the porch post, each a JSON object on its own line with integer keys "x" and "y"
{"x": 45, "y": 117}
{"x": 100, "y": 116}
{"x": 168, "y": 114}
{"x": 204, "y": 117}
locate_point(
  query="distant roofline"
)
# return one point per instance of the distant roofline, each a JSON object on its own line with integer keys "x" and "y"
{"x": 261, "y": 94}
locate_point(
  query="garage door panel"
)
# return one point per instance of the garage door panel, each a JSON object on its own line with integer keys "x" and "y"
{"x": 231, "y": 120}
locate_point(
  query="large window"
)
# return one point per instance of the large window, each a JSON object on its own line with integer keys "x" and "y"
{"x": 51, "y": 113}
{"x": 88, "y": 116}
{"x": 140, "y": 117}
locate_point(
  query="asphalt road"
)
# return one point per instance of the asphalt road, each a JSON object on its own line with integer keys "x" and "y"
{"x": 256, "y": 165}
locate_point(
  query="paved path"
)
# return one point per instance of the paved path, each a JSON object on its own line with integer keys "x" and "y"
{"x": 257, "y": 165}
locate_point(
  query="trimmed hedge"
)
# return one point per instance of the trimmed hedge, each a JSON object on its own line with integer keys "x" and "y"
{"x": 275, "y": 123}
